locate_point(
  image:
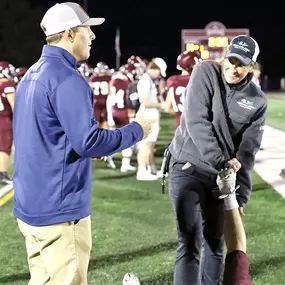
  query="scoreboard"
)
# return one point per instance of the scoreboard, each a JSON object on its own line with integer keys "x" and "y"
{"x": 210, "y": 41}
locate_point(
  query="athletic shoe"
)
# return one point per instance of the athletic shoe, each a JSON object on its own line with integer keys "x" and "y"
{"x": 126, "y": 168}
{"x": 5, "y": 179}
{"x": 110, "y": 164}
{"x": 145, "y": 176}
{"x": 130, "y": 279}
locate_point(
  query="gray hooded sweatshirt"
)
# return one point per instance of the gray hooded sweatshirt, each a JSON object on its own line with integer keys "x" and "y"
{"x": 220, "y": 122}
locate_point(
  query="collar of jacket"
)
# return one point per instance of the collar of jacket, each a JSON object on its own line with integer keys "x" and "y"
{"x": 54, "y": 51}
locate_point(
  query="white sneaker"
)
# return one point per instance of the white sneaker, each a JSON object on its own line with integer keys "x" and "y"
{"x": 131, "y": 279}
{"x": 126, "y": 168}
{"x": 145, "y": 176}
{"x": 110, "y": 164}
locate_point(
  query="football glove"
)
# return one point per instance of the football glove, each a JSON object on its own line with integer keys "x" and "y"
{"x": 226, "y": 181}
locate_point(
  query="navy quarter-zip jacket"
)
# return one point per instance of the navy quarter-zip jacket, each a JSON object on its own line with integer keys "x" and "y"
{"x": 55, "y": 137}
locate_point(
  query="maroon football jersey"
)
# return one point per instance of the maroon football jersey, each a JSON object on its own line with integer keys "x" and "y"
{"x": 119, "y": 86}
{"x": 100, "y": 87}
{"x": 6, "y": 88}
{"x": 176, "y": 86}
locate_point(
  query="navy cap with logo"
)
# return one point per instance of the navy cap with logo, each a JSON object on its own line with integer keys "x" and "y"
{"x": 244, "y": 48}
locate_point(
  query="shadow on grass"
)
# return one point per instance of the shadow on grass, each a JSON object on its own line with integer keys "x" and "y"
{"x": 258, "y": 268}
{"x": 163, "y": 279}
{"x": 260, "y": 187}
{"x": 111, "y": 260}
{"x": 14, "y": 277}
{"x": 119, "y": 176}
{"x": 128, "y": 256}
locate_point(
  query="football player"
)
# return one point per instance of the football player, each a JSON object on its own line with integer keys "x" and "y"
{"x": 85, "y": 70}
{"x": 7, "y": 98}
{"x": 136, "y": 68}
{"x": 99, "y": 82}
{"x": 176, "y": 84}
{"x": 118, "y": 113}
{"x": 150, "y": 108}
{"x": 19, "y": 74}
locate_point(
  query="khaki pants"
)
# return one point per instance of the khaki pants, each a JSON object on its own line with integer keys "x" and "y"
{"x": 58, "y": 254}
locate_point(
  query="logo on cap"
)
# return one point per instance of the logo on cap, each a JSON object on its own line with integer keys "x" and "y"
{"x": 241, "y": 43}
{"x": 245, "y": 48}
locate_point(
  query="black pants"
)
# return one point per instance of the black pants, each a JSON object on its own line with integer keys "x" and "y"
{"x": 200, "y": 224}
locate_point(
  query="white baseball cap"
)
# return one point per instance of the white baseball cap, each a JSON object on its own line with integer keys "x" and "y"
{"x": 161, "y": 64}
{"x": 67, "y": 15}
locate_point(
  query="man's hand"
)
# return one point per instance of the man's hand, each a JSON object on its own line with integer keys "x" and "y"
{"x": 226, "y": 181}
{"x": 146, "y": 124}
{"x": 102, "y": 158}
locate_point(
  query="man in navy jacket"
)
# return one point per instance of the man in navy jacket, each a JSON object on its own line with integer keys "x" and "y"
{"x": 56, "y": 136}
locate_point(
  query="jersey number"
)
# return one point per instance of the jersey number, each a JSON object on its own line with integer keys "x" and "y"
{"x": 118, "y": 97}
{"x": 179, "y": 91}
{"x": 100, "y": 88}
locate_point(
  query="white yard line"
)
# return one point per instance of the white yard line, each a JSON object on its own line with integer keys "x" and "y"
{"x": 4, "y": 190}
{"x": 271, "y": 160}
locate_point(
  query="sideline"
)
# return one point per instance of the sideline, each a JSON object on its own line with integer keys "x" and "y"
{"x": 271, "y": 159}
{"x": 6, "y": 194}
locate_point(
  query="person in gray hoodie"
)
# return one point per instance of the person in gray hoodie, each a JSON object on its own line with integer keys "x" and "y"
{"x": 221, "y": 126}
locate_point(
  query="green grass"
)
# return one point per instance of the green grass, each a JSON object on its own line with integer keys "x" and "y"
{"x": 276, "y": 114}
{"x": 134, "y": 229}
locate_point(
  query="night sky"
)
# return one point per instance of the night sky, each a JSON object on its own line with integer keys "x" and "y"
{"x": 153, "y": 28}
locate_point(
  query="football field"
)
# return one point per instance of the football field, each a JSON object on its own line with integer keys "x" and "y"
{"x": 134, "y": 228}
